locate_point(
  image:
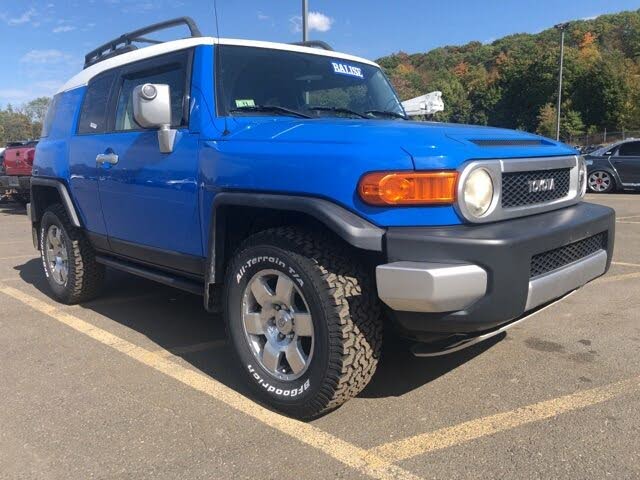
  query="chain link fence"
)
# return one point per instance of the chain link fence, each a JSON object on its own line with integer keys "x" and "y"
{"x": 602, "y": 138}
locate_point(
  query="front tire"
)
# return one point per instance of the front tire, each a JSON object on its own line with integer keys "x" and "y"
{"x": 68, "y": 259}
{"x": 304, "y": 320}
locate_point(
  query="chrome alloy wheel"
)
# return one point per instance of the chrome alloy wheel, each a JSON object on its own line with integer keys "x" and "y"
{"x": 56, "y": 255}
{"x": 277, "y": 324}
{"x": 599, "y": 181}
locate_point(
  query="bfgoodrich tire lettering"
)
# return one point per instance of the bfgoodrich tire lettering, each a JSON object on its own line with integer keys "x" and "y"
{"x": 344, "y": 309}
{"x": 84, "y": 276}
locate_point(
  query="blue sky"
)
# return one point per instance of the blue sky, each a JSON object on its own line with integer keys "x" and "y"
{"x": 42, "y": 42}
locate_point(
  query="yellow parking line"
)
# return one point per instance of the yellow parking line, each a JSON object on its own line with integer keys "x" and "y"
{"x": 624, "y": 264}
{"x": 355, "y": 457}
{"x": 485, "y": 426}
{"x": 18, "y": 256}
{"x": 617, "y": 278}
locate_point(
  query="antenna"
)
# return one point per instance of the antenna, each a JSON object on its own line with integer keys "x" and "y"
{"x": 305, "y": 20}
{"x": 217, "y": 64}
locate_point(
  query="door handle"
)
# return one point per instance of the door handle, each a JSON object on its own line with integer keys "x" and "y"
{"x": 110, "y": 158}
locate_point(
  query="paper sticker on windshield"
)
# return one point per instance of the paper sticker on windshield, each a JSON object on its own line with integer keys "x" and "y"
{"x": 245, "y": 102}
{"x": 346, "y": 69}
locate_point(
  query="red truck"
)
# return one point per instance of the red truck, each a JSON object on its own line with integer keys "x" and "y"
{"x": 15, "y": 180}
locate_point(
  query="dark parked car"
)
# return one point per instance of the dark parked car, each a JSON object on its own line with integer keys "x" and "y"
{"x": 614, "y": 167}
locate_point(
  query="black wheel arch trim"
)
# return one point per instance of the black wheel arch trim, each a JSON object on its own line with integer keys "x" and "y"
{"x": 64, "y": 195}
{"x": 353, "y": 229}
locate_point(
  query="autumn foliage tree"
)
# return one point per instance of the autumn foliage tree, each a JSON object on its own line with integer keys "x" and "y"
{"x": 512, "y": 82}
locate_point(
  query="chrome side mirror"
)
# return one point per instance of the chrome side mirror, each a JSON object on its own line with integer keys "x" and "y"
{"x": 152, "y": 109}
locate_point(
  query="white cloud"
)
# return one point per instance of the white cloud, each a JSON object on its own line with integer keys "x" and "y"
{"x": 592, "y": 17}
{"x": 320, "y": 22}
{"x": 317, "y": 21}
{"x": 22, "y": 19}
{"x": 45, "y": 56}
{"x": 16, "y": 96}
{"x": 262, "y": 17}
{"x": 63, "y": 29}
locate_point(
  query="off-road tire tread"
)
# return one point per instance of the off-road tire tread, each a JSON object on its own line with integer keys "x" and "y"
{"x": 88, "y": 275}
{"x": 348, "y": 296}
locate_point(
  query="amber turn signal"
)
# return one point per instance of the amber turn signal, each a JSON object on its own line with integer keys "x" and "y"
{"x": 408, "y": 188}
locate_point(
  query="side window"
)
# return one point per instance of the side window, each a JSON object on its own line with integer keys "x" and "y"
{"x": 172, "y": 74}
{"x": 93, "y": 117}
{"x": 48, "y": 118}
{"x": 629, "y": 149}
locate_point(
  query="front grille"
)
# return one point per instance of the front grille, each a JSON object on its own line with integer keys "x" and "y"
{"x": 559, "y": 257}
{"x": 516, "y": 191}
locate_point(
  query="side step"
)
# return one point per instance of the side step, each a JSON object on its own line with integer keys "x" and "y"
{"x": 427, "y": 350}
{"x": 151, "y": 274}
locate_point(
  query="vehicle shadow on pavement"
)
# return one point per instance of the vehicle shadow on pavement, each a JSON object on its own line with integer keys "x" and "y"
{"x": 400, "y": 372}
{"x": 173, "y": 319}
{"x": 10, "y": 208}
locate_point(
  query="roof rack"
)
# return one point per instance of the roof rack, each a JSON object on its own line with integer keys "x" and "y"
{"x": 124, "y": 43}
{"x": 314, "y": 44}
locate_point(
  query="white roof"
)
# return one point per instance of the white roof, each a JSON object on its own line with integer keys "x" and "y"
{"x": 87, "y": 74}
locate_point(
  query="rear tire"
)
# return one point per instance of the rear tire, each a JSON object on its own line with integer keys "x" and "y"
{"x": 335, "y": 310}
{"x": 68, "y": 259}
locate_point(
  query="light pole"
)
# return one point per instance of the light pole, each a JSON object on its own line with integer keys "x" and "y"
{"x": 561, "y": 27}
{"x": 305, "y": 16}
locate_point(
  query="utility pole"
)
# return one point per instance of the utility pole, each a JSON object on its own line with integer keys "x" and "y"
{"x": 305, "y": 17}
{"x": 561, "y": 27}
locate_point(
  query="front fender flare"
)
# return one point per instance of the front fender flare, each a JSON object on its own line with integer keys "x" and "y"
{"x": 353, "y": 229}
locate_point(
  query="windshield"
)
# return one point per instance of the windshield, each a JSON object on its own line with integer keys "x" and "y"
{"x": 601, "y": 151}
{"x": 255, "y": 81}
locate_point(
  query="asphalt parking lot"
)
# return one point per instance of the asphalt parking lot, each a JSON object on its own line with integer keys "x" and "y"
{"x": 141, "y": 384}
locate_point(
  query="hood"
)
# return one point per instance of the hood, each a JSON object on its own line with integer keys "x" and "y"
{"x": 431, "y": 145}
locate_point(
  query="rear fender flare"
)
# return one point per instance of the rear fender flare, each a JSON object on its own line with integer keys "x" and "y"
{"x": 38, "y": 210}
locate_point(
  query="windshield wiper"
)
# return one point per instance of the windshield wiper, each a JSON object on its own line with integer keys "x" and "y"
{"x": 270, "y": 108}
{"x": 387, "y": 113}
{"x": 336, "y": 110}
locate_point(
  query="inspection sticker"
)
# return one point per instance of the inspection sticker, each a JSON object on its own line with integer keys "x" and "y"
{"x": 346, "y": 69}
{"x": 245, "y": 102}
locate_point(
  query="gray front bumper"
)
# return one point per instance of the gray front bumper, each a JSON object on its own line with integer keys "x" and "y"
{"x": 436, "y": 287}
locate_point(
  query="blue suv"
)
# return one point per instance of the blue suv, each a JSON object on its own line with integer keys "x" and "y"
{"x": 284, "y": 184}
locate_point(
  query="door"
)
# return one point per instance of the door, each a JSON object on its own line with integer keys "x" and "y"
{"x": 627, "y": 162}
{"x": 150, "y": 199}
{"x": 90, "y": 137}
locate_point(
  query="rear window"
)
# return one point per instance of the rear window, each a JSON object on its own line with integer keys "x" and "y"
{"x": 93, "y": 117}
{"x": 48, "y": 118}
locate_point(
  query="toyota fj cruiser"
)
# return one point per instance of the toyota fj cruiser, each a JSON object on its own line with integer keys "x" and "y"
{"x": 285, "y": 184}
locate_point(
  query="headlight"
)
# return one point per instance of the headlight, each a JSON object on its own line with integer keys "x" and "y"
{"x": 582, "y": 176}
{"x": 478, "y": 192}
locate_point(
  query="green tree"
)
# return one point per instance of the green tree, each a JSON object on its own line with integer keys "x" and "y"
{"x": 37, "y": 109}
{"x": 547, "y": 121}
{"x": 571, "y": 125}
